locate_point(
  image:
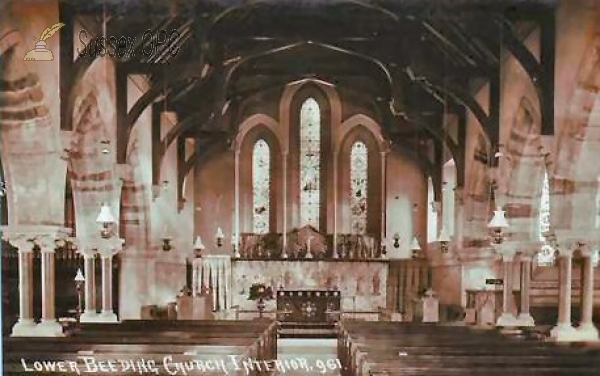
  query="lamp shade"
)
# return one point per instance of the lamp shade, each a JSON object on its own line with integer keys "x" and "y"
{"x": 79, "y": 276}
{"x": 220, "y": 233}
{"x": 198, "y": 243}
{"x": 499, "y": 220}
{"x": 444, "y": 236}
{"x": 105, "y": 215}
{"x": 414, "y": 244}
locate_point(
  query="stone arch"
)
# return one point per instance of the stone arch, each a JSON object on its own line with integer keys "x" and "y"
{"x": 266, "y": 133}
{"x": 253, "y": 121}
{"x": 375, "y": 170}
{"x": 30, "y": 143}
{"x": 522, "y": 165}
{"x": 574, "y": 182}
{"x": 329, "y": 102}
{"x": 93, "y": 177}
{"x": 365, "y": 121}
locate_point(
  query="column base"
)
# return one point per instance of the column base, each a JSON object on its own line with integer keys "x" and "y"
{"x": 107, "y": 317}
{"x": 588, "y": 332}
{"x": 89, "y": 316}
{"x": 507, "y": 320}
{"x": 49, "y": 328}
{"x": 564, "y": 332}
{"x": 24, "y": 328}
{"x": 525, "y": 319}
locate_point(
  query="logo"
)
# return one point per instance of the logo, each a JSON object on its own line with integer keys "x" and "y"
{"x": 41, "y": 53}
{"x": 154, "y": 45}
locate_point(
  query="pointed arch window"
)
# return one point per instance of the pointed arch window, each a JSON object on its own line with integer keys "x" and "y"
{"x": 261, "y": 183}
{"x": 358, "y": 186}
{"x": 310, "y": 163}
{"x": 546, "y": 255}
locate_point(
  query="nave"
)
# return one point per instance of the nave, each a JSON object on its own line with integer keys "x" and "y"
{"x": 249, "y": 347}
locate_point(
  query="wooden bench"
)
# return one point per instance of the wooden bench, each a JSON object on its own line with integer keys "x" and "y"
{"x": 138, "y": 347}
{"x": 407, "y": 349}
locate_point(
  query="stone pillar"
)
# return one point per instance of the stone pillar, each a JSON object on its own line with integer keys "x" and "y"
{"x": 525, "y": 318}
{"x": 107, "y": 249}
{"x": 48, "y": 327}
{"x": 89, "y": 314}
{"x": 564, "y": 331}
{"x": 107, "y": 314}
{"x": 507, "y": 319}
{"x": 587, "y": 331}
{"x": 25, "y": 326}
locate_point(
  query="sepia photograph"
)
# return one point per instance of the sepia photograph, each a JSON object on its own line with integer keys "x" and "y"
{"x": 300, "y": 187}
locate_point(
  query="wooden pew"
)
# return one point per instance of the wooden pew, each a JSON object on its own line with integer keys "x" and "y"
{"x": 401, "y": 349}
{"x": 149, "y": 346}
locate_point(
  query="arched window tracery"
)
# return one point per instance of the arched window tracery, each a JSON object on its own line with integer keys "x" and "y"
{"x": 310, "y": 163}
{"x": 261, "y": 184}
{"x": 358, "y": 186}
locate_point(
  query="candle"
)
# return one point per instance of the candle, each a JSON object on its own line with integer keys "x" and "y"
{"x": 233, "y": 240}
{"x": 308, "y": 243}
{"x": 220, "y": 233}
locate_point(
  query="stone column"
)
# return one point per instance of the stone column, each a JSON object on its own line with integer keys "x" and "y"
{"x": 25, "y": 326}
{"x": 89, "y": 314}
{"x": 507, "y": 319}
{"x": 587, "y": 330}
{"x": 107, "y": 249}
{"x": 48, "y": 327}
{"x": 525, "y": 318}
{"x": 107, "y": 314}
{"x": 564, "y": 331}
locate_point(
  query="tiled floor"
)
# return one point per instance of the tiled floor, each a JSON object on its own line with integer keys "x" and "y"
{"x": 309, "y": 357}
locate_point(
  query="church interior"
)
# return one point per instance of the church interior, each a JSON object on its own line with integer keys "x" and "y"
{"x": 302, "y": 187}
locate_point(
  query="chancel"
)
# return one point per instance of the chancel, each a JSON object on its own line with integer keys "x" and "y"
{"x": 352, "y": 187}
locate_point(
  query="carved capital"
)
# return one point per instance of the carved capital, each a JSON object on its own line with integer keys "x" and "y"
{"x": 46, "y": 242}
{"x": 587, "y": 249}
{"x": 110, "y": 247}
{"x": 566, "y": 248}
{"x": 23, "y": 242}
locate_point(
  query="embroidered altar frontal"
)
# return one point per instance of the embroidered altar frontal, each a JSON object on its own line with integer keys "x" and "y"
{"x": 361, "y": 284}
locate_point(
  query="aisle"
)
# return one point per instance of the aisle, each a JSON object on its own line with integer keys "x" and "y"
{"x": 320, "y": 354}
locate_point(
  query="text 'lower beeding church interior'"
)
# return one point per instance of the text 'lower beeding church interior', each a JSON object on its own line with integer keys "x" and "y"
{"x": 345, "y": 187}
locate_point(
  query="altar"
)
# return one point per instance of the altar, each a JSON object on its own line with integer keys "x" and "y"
{"x": 308, "y": 306}
{"x": 361, "y": 284}
{"x": 351, "y": 280}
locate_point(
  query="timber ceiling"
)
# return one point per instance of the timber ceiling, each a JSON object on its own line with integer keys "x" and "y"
{"x": 413, "y": 59}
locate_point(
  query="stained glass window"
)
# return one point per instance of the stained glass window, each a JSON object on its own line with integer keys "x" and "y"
{"x": 310, "y": 163}
{"x": 546, "y": 255}
{"x": 261, "y": 183}
{"x": 358, "y": 186}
